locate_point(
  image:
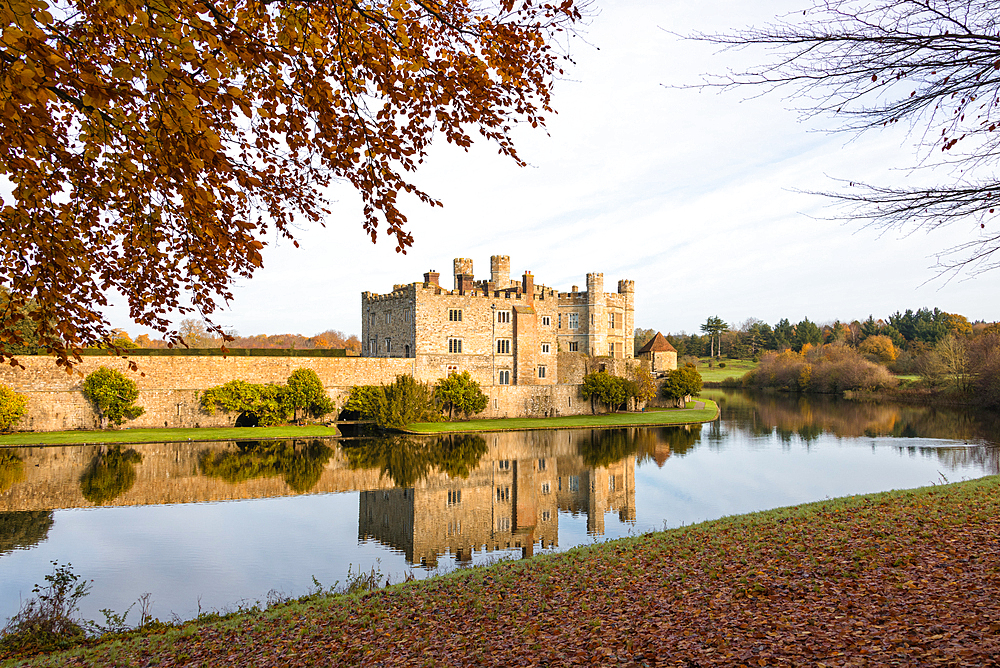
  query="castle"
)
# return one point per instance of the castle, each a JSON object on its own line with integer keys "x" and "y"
{"x": 527, "y": 345}
{"x": 502, "y": 331}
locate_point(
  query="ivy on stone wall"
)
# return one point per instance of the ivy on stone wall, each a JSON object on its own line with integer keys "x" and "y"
{"x": 271, "y": 404}
{"x": 113, "y": 395}
{"x": 12, "y": 407}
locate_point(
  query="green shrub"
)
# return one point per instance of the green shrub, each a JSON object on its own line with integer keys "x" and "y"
{"x": 48, "y": 621}
{"x": 460, "y": 392}
{"x": 113, "y": 396}
{"x": 396, "y": 405}
{"x": 271, "y": 404}
{"x": 680, "y": 383}
{"x": 610, "y": 389}
{"x": 13, "y": 406}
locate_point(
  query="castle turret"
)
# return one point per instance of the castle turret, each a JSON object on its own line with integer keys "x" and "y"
{"x": 500, "y": 271}
{"x": 463, "y": 274}
{"x": 595, "y": 286}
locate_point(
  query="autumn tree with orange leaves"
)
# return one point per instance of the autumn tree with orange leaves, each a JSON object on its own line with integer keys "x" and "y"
{"x": 150, "y": 147}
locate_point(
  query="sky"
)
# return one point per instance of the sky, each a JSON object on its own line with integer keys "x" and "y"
{"x": 695, "y": 195}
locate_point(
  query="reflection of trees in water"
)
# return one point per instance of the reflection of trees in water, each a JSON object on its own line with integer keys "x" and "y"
{"x": 605, "y": 447}
{"x": 11, "y": 470}
{"x": 300, "y": 464}
{"x": 981, "y": 457}
{"x": 808, "y": 416}
{"x": 110, "y": 474}
{"x": 21, "y": 530}
{"x": 406, "y": 460}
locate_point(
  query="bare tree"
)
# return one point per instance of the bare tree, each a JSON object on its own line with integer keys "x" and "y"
{"x": 931, "y": 64}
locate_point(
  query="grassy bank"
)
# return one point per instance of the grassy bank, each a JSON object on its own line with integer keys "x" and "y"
{"x": 733, "y": 369}
{"x": 652, "y": 417}
{"x": 98, "y": 437}
{"x": 900, "y": 578}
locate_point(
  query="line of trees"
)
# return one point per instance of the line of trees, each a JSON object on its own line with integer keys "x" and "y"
{"x": 910, "y": 332}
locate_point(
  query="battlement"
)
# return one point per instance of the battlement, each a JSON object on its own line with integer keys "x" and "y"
{"x": 478, "y": 324}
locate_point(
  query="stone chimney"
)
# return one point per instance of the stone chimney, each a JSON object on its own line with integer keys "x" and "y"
{"x": 528, "y": 285}
{"x": 463, "y": 267}
{"x": 432, "y": 278}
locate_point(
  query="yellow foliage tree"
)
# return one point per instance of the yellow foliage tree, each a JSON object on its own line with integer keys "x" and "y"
{"x": 880, "y": 348}
{"x": 151, "y": 148}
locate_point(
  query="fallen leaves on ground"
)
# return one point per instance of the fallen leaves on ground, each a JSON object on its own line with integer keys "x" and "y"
{"x": 898, "y": 579}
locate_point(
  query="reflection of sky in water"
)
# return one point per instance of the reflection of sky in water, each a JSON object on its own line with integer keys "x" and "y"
{"x": 222, "y": 553}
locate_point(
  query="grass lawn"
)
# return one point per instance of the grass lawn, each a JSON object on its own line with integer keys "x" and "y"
{"x": 733, "y": 369}
{"x": 165, "y": 435}
{"x": 651, "y": 417}
{"x": 905, "y": 578}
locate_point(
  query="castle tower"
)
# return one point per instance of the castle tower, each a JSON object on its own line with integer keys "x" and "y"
{"x": 463, "y": 273}
{"x": 626, "y": 288}
{"x": 597, "y": 325}
{"x": 500, "y": 271}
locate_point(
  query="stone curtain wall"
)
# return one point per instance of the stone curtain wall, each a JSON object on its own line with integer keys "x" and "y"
{"x": 170, "y": 388}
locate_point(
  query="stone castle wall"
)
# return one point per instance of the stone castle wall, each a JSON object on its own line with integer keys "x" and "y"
{"x": 170, "y": 387}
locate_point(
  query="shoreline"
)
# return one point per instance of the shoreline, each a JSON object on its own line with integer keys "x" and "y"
{"x": 656, "y": 418}
{"x": 210, "y": 434}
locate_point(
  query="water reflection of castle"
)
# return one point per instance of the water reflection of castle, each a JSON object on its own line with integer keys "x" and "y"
{"x": 510, "y": 500}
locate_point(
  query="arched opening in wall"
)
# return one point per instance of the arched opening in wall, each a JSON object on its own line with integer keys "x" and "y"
{"x": 247, "y": 419}
{"x": 407, "y": 349}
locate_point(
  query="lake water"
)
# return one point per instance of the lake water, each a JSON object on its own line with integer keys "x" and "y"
{"x": 210, "y": 525}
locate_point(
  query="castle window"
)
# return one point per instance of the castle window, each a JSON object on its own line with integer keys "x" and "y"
{"x": 373, "y": 346}
{"x": 503, "y": 464}
{"x": 541, "y": 464}
{"x": 503, "y": 317}
{"x": 560, "y": 321}
{"x": 611, "y": 320}
{"x": 541, "y": 372}
{"x": 406, "y": 315}
{"x": 388, "y": 345}
{"x": 546, "y": 321}
{"x": 503, "y": 524}
{"x": 546, "y": 488}
{"x": 574, "y": 320}
{"x": 611, "y": 483}
{"x": 546, "y": 347}
{"x": 406, "y": 349}
{"x": 611, "y": 349}
{"x": 546, "y": 515}
{"x": 591, "y": 319}
{"x": 574, "y": 346}
{"x": 388, "y": 318}
{"x": 503, "y": 493}
{"x": 452, "y": 369}
{"x": 504, "y": 377}
{"x": 455, "y": 315}
{"x": 574, "y": 483}
{"x": 454, "y": 345}
{"x": 503, "y": 346}
{"x": 454, "y": 497}
{"x": 371, "y": 319}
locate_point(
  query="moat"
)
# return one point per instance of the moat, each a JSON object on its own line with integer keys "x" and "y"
{"x": 211, "y": 525}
